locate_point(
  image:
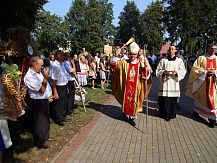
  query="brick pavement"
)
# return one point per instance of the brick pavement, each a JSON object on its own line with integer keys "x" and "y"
{"x": 108, "y": 139}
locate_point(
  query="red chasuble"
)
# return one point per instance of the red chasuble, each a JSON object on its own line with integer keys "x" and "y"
{"x": 210, "y": 83}
{"x": 130, "y": 89}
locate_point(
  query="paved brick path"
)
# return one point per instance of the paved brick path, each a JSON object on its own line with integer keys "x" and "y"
{"x": 109, "y": 139}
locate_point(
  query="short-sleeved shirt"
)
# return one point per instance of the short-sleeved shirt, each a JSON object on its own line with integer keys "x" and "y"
{"x": 59, "y": 73}
{"x": 33, "y": 81}
{"x": 69, "y": 70}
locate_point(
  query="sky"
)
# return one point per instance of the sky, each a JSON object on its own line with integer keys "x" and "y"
{"x": 61, "y": 7}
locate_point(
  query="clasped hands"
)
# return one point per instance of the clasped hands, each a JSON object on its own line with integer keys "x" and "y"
{"x": 166, "y": 72}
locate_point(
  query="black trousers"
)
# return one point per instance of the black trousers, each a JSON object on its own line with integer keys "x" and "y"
{"x": 168, "y": 106}
{"x": 70, "y": 97}
{"x": 41, "y": 120}
{"x": 58, "y": 107}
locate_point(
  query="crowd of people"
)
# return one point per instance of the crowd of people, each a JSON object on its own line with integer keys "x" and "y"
{"x": 56, "y": 80}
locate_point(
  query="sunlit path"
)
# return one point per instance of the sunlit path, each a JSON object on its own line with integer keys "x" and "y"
{"x": 184, "y": 139}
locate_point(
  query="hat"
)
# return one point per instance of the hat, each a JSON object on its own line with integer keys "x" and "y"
{"x": 134, "y": 48}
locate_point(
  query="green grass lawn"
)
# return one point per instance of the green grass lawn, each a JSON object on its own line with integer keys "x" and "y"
{"x": 23, "y": 149}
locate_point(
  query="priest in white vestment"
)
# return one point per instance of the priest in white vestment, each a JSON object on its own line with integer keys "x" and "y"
{"x": 170, "y": 70}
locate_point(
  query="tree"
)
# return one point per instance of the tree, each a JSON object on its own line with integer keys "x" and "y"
{"x": 90, "y": 23}
{"x": 152, "y": 27}
{"x": 17, "y": 22}
{"x": 76, "y": 19}
{"x": 188, "y": 19}
{"x": 18, "y": 14}
{"x": 129, "y": 24}
{"x": 50, "y": 31}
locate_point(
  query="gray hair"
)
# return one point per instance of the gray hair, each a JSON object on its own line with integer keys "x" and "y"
{"x": 34, "y": 60}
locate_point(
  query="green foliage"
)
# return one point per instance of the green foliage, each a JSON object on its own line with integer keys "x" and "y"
{"x": 50, "y": 31}
{"x": 152, "y": 27}
{"x": 188, "y": 19}
{"x": 19, "y": 13}
{"x": 129, "y": 24}
{"x": 90, "y": 23}
{"x": 12, "y": 70}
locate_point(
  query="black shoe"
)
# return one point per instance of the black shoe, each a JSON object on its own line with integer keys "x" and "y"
{"x": 132, "y": 122}
{"x": 66, "y": 120}
{"x": 195, "y": 114}
{"x": 167, "y": 119}
{"x": 44, "y": 146}
{"x": 60, "y": 123}
{"x": 69, "y": 113}
{"x": 211, "y": 125}
{"x": 124, "y": 117}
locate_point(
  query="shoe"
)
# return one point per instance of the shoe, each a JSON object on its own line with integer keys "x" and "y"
{"x": 132, "y": 122}
{"x": 195, "y": 114}
{"x": 60, "y": 123}
{"x": 44, "y": 146}
{"x": 124, "y": 117}
{"x": 93, "y": 88}
{"x": 211, "y": 125}
{"x": 66, "y": 120}
{"x": 167, "y": 119}
{"x": 69, "y": 113}
{"x": 102, "y": 87}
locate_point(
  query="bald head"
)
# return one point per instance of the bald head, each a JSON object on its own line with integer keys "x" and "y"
{"x": 36, "y": 63}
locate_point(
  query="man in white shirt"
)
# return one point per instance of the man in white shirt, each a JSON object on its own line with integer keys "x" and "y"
{"x": 59, "y": 85}
{"x": 71, "y": 86}
{"x": 39, "y": 92}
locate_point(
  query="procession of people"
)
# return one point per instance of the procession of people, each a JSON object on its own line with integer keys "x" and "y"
{"x": 131, "y": 80}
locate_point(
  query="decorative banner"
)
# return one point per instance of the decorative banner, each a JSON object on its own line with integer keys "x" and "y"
{"x": 108, "y": 50}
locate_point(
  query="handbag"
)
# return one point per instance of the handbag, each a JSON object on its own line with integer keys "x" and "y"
{"x": 91, "y": 73}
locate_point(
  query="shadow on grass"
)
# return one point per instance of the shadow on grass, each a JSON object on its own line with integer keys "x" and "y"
{"x": 108, "y": 92}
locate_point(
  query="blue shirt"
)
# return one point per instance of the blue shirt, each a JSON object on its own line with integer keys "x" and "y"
{"x": 69, "y": 70}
